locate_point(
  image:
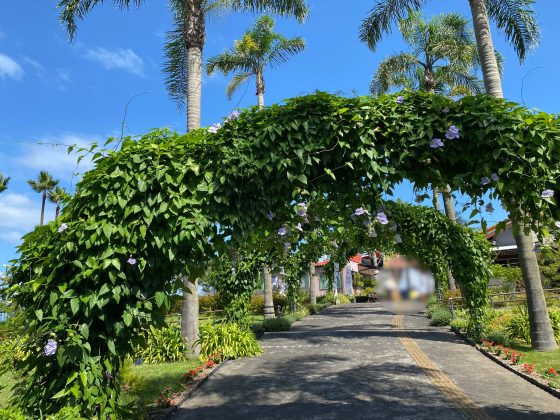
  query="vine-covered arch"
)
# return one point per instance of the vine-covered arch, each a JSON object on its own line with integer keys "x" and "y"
{"x": 163, "y": 204}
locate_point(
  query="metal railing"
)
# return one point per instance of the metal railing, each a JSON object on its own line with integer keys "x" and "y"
{"x": 501, "y": 300}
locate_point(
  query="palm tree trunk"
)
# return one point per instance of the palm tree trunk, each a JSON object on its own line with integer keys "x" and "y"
{"x": 43, "y": 208}
{"x": 435, "y": 199}
{"x": 268, "y": 298}
{"x": 492, "y": 81}
{"x": 194, "y": 87}
{"x": 312, "y": 284}
{"x": 260, "y": 89}
{"x": 189, "y": 315}
{"x": 449, "y": 208}
{"x": 542, "y": 335}
{"x": 57, "y": 211}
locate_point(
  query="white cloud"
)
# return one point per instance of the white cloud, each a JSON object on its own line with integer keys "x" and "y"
{"x": 118, "y": 58}
{"x": 10, "y": 68}
{"x": 18, "y": 215}
{"x": 59, "y": 79}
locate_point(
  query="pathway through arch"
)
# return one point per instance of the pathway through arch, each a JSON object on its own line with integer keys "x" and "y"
{"x": 361, "y": 361}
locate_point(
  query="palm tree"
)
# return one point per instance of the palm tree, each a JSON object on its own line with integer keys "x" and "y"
{"x": 516, "y": 18}
{"x": 58, "y": 195}
{"x": 44, "y": 185}
{"x": 443, "y": 59}
{"x": 259, "y": 48}
{"x": 4, "y": 183}
{"x": 183, "y": 69}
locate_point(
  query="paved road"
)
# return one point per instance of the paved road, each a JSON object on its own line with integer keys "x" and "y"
{"x": 362, "y": 362}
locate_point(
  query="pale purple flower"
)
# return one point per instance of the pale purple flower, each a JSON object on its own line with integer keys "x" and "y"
{"x": 445, "y": 110}
{"x": 50, "y": 347}
{"x": 484, "y": 180}
{"x": 547, "y": 194}
{"x": 557, "y": 224}
{"x": 436, "y": 143}
{"x": 214, "y": 128}
{"x": 287, "y": 245}
{"x": 301, "y": 210}
{"x": 282, "y": 231}
{"x": 452, "y": 133}
{"x": 359, "y": 211}
{"x": 494, "y": 177}
{"x": 489, "y": 208}
{"x": 382, "y": 218}
{"x": 138, "y": 361}
{"x": 270, "y": 216}
{"x": 131, "y": 261}
{"x": 62, "y": 228}
{"x": 400, "y": 99}
{"x": 398, "y": 239}
{"x": 298, "y": 227}
{"x": 233, "y": 115}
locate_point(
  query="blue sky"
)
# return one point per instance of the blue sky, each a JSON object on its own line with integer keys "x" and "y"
{"x": 56, "y": 93}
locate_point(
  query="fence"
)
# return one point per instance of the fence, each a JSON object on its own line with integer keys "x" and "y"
{"x": 501, "y": 300}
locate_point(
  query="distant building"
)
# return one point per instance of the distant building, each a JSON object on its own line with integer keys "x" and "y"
{"x": 505, "y": 249}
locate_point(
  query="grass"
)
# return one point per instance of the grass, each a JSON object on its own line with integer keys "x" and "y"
{"x": 6, "y": 381}
{"x": 541, "y": 359}
{"x": 144, "y": 383}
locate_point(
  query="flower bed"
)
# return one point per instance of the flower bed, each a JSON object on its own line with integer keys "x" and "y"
{"x": 171, "y": 397}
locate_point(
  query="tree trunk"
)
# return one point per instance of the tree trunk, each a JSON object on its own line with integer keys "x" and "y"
{"x": 490, "y": 72}
{"x": 542, "y": 335}
{"x": 260, "y": 89}
{"x": 194, "y": 88}
{"x": 312, "y": 284}
{"x": 435, "y": 199}
{"x": 43, "y": 208}
{"x": 189, "y": 315}
{"x": 57, "y": 211}
{"x": 449, "y": 208}
{"x": 268, "y": 298}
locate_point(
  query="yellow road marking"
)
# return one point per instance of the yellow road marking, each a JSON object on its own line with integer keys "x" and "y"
{"x": 451, "y": 391}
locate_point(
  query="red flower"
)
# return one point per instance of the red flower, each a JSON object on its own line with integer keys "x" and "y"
{"x": 552, "y": 371}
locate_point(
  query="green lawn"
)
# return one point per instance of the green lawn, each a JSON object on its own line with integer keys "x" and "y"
{"x": 541, "y": 359}
{"x": 144, "y": 383}
{"x": 6, "y": 382}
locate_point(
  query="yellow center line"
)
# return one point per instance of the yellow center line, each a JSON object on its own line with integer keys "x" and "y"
{"x": 451, "y": 391}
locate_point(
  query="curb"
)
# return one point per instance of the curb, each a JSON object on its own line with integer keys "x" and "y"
{"x": 551, "y": 391}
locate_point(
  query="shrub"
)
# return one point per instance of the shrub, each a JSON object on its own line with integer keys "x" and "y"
{"x": 209, "y": 303}
{"x": 257, "y": 304}
{"x": 460, "y": 323}
{"x": 12, "y": 352}
{"x": 518, "y": 326}
{"x": 277, "y": 324}
{"x": 342, "y": 299}
{"x": 228, "y": 339}
{"x": 163, "y": 345}
{"x": 440, "y": 315}
{"x": 499, "y": 337}
{"x": 554, "y": 314}
{"x": 318, "y": 307}
{"x": 279, "y": 300}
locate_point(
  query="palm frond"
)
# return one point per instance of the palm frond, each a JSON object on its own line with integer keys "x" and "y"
{"x": 398, "y": 70}
{"x": 4, "y": 182}
{"x": 296, "y": 8}
{"x": 175, "y": 67}
{"x": 459, "y": 81}
{"x": 383, "y": 16}
{"x": 74, "y": 10}
{"x": 283, "y": 49}
{"x": 236, "y": 82}
{"x": 517, "y": 19}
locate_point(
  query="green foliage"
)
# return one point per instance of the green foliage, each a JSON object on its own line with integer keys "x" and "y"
{"x": 13, "y": 352}
{"x": 164, "y": 205}
{"x": 439, "y": 315}
{"x": 518, "y": 327}
{"x": 318, "y": 307}
{"x": 511, "y": 276}
{"x": 209, "y": 303}
{"x": 164, "y": 344}
{"x": 229, "y": 339}
{"x": 343, "y": 299}
{"x": 549, "y": 263}
{"x": 277, "y": 324}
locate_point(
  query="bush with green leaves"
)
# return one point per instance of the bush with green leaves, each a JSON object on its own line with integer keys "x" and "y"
{"x": 318, "y": 307}
{"x": 439, "y": 315}
{"x": 277, "y": 324}
{"x": 518, "y": 327}
{"x": 228, "y": 339}
{"x": 163, "y": 205}
{"x": 164, "y": 344}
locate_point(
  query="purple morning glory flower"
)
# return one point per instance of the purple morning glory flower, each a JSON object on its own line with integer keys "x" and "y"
{"x": 484, "y": 180}
{"x": 62, "y": 228}
{"x": 282, "y": 231}
{"x": 452, "y": 133}
{"x": 382, "y": 218}
{"x": 131, "y": 261}
{"x": 50, "y": 347}
{"x": 547, "y": 194}
{"x": 436, "y": 143}
{"x": 489, "y": 208}
{"x": 557, "y": 225}
{"x": 400, "y": 99}
{"x": 302, "y": 210}
{"x": 494, "y": 177}
{"x": 138, "y": 361}
{"x": 359, "y": 211}
{"x": 233, "y": 115}
{"x": 270, "y": 216}
{"x": 214, "y": 128}
{"x": 298, "y": 227}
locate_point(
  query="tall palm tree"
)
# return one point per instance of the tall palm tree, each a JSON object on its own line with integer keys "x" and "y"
{"x": 517, "y": 19}
{"x": 259, "y": 48}
{"x": 57, "y": 196}
{"x": 44, "y": 185}
{"x": 4, "y": 183}
{"x": 443, "y": 58}
{"x": 183, "y": 69}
